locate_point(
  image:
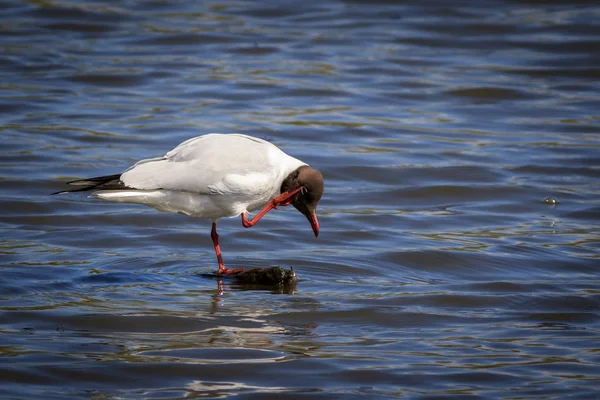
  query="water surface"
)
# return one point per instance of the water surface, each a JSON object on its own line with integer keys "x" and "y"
{"x": 440, "y": 271}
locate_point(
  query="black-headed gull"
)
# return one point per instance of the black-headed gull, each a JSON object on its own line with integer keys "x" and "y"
{"x": 216, "y": 176}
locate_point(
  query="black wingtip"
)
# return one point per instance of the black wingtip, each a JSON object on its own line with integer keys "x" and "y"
{"x": 107, "y": 182}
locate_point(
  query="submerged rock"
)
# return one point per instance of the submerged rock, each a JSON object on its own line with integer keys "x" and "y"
{"x": 266, "y": 276}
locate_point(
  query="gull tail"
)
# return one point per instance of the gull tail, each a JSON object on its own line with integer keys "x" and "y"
{"x": 108, "y": 182}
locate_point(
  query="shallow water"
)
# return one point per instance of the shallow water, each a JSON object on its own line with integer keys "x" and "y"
{"x": 440, "y": 271}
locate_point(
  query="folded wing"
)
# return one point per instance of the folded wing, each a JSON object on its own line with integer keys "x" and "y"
{"x": 209, "y": 164}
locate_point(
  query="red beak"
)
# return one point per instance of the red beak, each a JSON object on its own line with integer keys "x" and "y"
{"x": 314, "y": 223}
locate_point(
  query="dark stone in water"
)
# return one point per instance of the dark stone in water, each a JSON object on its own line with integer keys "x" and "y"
{"x": 266, "y": 276}
{"x": 274, "y": 276}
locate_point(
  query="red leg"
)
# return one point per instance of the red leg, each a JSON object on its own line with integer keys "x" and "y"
{"x": 284, "y": 199}
{"x": 222, "y": 270}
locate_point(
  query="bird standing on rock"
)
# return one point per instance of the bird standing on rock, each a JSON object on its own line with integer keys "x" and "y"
{"x": 216, "y": 176}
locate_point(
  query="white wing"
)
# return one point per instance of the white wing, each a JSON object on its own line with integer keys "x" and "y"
{"x": 212, "y": 164}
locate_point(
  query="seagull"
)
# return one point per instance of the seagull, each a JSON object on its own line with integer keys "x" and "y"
{"x": 215, "y": 176}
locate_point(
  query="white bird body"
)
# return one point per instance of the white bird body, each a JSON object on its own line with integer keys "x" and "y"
{"x": 216, "y": 176}
{"x": 211, "y": 176}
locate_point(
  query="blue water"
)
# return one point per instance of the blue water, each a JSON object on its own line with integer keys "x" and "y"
{"x": 440, "y": 270}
